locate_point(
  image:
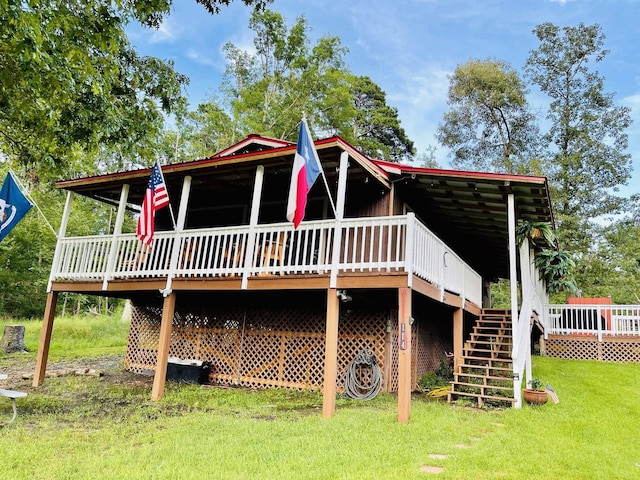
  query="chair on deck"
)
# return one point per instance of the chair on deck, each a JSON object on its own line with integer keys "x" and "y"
{"x": 138, "y": 260}
{"x": 273, "y": 250}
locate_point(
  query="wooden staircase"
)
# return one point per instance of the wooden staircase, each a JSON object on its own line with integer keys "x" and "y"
{"x": 485, "y": 376}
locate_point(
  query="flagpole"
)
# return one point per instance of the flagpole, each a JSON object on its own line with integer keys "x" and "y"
{"x": 326, "y": 185}
{"x": 30, "y": 198}
{"x": 324, "y": 178}
{"x": 173, "y": 220}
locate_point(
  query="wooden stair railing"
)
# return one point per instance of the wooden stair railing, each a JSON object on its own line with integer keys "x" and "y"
{"x": 485, "y": 376}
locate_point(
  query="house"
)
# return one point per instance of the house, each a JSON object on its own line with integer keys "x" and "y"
{"x": 392, "y": 259}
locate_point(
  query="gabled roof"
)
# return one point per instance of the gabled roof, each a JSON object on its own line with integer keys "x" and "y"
{"x": 253, "y": 143}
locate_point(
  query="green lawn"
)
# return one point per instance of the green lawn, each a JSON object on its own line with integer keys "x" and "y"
{"x": 85, "y": 427}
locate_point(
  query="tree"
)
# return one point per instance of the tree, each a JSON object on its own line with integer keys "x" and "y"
{"x": 587, "y": 132}
{"x": 72, "y": 84}
{"x": 269, "y": 91}
{"x": 75, "y": 99}
{"x": 376, "y": 128}
{"x": 490, "y": 126}
{"x": 612, "y": 266}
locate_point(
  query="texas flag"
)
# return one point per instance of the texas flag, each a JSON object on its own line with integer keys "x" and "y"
{"x": 306, "y": 168}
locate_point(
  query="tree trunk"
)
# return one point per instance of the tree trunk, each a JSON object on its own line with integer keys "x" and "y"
{"x": 13, "y": 339}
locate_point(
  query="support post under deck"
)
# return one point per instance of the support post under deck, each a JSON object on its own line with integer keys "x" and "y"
{"x": 166, "y": 326}
{"x": 45, "y": 338}
{"x": 331, "y": 355}
{"x": 404, "y": 354}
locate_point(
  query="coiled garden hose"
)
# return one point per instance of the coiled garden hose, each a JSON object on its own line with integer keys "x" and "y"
{"x": 353, "y": 386}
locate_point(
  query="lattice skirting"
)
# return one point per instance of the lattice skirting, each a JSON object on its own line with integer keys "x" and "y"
{"x": 277, "y": 346}
{"x": 621, "y": 349}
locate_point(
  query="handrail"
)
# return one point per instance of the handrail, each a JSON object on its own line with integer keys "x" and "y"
{"x": 369, "y": 244}
{"x": 533, "y": 297}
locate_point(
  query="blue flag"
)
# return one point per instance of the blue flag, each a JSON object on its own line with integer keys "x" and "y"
{"x": 13, "y": 205}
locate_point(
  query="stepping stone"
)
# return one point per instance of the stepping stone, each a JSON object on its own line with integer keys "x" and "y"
{"x": 437, "y": 456}
{"x": 431, "y": 469}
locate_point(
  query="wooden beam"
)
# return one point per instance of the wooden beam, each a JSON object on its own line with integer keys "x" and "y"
{"x": 458, "y": 338}
{"x": 331, "y": 355}
{"x": 404, "y": 355}
{"x": 45, "y": 338}
{"x": 166, "y": 326}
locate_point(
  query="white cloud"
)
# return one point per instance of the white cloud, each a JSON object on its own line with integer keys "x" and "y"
{"x": 201, "y": 58}
{"x": 167, "y": 32}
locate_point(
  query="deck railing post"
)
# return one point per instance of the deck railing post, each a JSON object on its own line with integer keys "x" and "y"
{"x": 408, "y": 251}
{"x": 337, "y": 230}
{"x": 250, "y": 257}
{"x": 55, "y": 267}
{"x": 177, "y": 238}
{"x": 117, "y": 230}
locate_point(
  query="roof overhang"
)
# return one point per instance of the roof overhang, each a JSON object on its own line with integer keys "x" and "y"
{"x": 468, "y": 210}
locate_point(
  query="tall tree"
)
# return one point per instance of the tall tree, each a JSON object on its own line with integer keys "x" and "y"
{"x": 75, "y": 99}
{"x": 72, "y": 84}
{"x": 490, "y": 126}
{"x": 588, "y": 131}
{"x": 376, "y": 128}
{"x": 270, "y": 90}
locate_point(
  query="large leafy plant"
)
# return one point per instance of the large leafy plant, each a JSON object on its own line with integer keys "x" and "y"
{"x": 556, "y": 268}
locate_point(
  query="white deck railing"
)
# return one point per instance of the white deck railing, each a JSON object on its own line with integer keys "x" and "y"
{"x": 370, "y": 244}
{"x": 598, "y": 320}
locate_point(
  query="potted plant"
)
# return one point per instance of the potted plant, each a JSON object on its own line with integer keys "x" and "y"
{"x": 540, "y": 233}
{"x": 535, "y": 394}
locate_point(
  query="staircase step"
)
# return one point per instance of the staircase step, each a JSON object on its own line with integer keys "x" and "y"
{"x": 480, "y": 398}
{"x": 482, "y": 388}
{"x": 485, "y": 360}
{"x": 477, "y": 354}
{"x": 486, "y": 368}
{"x": 489, "y": 342}
{"x": 502, "y": 333}
{"x": 484, "y": 378}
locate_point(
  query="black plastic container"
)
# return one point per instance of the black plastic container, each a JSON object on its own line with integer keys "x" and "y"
{"x": 186, "y": 371}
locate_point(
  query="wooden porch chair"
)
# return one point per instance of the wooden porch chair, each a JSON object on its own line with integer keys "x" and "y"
{"x": 139, "y": 259}
{"x": 273, "y": 252}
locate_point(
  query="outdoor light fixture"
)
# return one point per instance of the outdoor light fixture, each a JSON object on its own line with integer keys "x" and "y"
{"x": 342, "y": 295}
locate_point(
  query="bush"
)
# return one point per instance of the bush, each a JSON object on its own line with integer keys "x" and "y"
{"x": 440, "y": 378}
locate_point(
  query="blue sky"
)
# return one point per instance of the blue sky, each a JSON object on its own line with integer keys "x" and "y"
{"x": 409, "y": 47}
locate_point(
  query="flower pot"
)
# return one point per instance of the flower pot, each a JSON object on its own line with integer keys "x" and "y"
{"x": 535, "y": 397}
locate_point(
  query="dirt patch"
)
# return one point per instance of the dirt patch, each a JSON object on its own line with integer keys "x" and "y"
{"x": 20, "y": 371}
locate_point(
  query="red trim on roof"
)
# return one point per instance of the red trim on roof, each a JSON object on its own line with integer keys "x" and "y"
{"x": 395, "y": 167}
{"x": 286, "y": 148}
{"x": 253, "y": 138}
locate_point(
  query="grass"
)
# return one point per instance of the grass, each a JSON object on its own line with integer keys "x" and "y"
{"x": 86, "y": 427}
{"x": 75, "y": 336}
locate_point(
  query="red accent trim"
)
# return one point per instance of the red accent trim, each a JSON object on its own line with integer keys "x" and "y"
{"x": 457, "y": 173}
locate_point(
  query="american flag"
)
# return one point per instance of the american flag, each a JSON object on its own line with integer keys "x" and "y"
{"x": 552, "y": 393}
{"x": 155, "y": 198}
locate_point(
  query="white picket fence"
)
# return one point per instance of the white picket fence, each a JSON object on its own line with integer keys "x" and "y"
{"x": 370, "y": 244}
